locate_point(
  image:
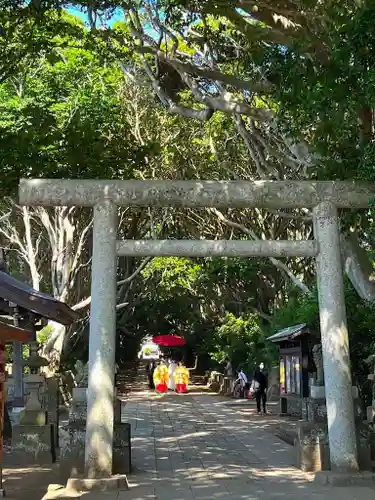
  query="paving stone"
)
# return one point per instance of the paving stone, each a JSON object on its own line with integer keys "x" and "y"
{"x": 194, "y": 447}
{"x": 108, "y": 495}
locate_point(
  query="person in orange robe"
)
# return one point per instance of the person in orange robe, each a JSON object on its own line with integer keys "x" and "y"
{"x": 181, "y": 378}
{"x": 161, "y": 377}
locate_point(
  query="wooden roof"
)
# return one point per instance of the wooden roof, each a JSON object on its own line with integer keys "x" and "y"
{"x": 13, "y": 290}
{"x": 289, "y": 333}
{"x": 9, "y": 333}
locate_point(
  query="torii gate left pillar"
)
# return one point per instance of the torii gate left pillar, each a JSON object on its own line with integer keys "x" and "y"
{"x": 104, "y": 196}
{"x": 102, "y": 344}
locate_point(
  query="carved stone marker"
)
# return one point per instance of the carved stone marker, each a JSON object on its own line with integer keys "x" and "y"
{"x": 370, "y": 410}
{"x": 73, "y": 435}
{"x": 72, "y": 443}
{"x": 82, "y": 374}
{"x": 318, "y": 360}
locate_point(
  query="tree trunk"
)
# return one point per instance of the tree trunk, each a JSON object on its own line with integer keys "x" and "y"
{"x": 358, "y": 267}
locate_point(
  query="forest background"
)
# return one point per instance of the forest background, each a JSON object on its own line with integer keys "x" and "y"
{"x": 179, "y": 89}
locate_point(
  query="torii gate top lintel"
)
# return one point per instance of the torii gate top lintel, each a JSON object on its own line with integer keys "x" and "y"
{"x": 236, "y": 194}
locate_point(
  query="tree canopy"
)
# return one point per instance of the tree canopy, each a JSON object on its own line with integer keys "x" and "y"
{"x": 179, "y": 89}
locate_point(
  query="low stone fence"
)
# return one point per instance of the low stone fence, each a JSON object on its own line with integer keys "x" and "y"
{"x": 218, "y": 382}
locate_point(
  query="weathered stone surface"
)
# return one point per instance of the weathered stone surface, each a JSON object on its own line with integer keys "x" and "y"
{"x": 102, "y": 343}
{"x": 346, "y": 479}
{"x": 52, "y": 405}
{"x": 311, "y": 447}
{"x": 34, "y": 417}
{"x": 82, "y": 374}
{"x": 241, "y": 194}
{"x": 122, "y": 449}
{"x": 78, "y": 412}
{"x": 33, "y": 444}
{"x": 72, "y": 449}
{"x": 317, "y": 410}
{"x": 335, "y": 339}
{"x": 118, "y": 482}
{"x": 312, "y": 450}
{"x": 216, "y": 248}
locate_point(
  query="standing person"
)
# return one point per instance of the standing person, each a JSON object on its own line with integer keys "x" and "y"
{"x": 260, "y": 384}
{"x": 161, "y": 377}
{"x": 172, "y": 368}
{"x": 245, "y": 386}
{"x": 150, "y": 368}
{"x": 181, "y": 378}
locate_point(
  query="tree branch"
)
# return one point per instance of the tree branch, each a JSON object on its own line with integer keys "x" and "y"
{"x": 208, "y": 73}
{"x": 86, "y": 302}
{"x": 276, "y": 262}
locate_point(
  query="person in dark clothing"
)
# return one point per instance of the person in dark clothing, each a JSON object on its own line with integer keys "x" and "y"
{"x": 260, "y": 384}
{"x": 150, "y": 373}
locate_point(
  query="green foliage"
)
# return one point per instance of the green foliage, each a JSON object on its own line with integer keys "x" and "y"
{"x": 200, "y": 299}
{"x": 173, "y": 274}
{"x": 44, "y": 334}
{"x": 62, "y": 116}
{"x": 300, "y": 308}
{"x": 327, "y": 98}
{"x": 64, "y": 112}
{"x": 241, "y": 340}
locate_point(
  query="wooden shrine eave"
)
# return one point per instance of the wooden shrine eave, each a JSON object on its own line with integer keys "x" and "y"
{"x": 41, "y": 304}
{"x": 9, "y": 333}
{"x": 289, "y": 333}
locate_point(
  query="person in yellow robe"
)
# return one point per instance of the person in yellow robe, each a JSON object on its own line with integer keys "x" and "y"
{"x": 181, "y": 378}
{"x": 161, "y": 377}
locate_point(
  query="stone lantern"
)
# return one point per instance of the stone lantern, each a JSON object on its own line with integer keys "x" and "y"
{"x": 34, "y": 381}
{"x": 34, "y": 437}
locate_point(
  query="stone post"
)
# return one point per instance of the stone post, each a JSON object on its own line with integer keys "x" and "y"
{"x": 102, "y": 344}
{"x": 335, "y": 341}
{"x": 17, "y": 366}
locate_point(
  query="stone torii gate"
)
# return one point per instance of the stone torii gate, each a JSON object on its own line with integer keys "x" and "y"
{"x": 323, "y": 197}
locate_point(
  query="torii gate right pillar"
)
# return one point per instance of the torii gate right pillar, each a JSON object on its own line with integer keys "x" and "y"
{"x": 335, "y": 340}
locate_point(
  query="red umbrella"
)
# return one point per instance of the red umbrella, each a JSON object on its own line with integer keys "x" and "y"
{"x": 169, "y": 340}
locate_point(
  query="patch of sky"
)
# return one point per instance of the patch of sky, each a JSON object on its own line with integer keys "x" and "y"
{"x": 111, "y": 17}
{"x": 108, "y": 18}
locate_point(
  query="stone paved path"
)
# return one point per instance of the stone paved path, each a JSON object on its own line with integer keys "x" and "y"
{"x": 202, "y": 447}
{"x": 197, "y": 447}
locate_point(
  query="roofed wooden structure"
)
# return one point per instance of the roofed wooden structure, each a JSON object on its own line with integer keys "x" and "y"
{"x": 296, "y": 365}
{"x": 26, "y": 297}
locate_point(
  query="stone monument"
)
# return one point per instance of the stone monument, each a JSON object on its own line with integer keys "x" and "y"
{"x": 73, "y": 435}
{"x": 370, "y": 410}
{"x": 79, "y": 396}
{"x": 82, "y": 374}
{"x": 318, "y": 360}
